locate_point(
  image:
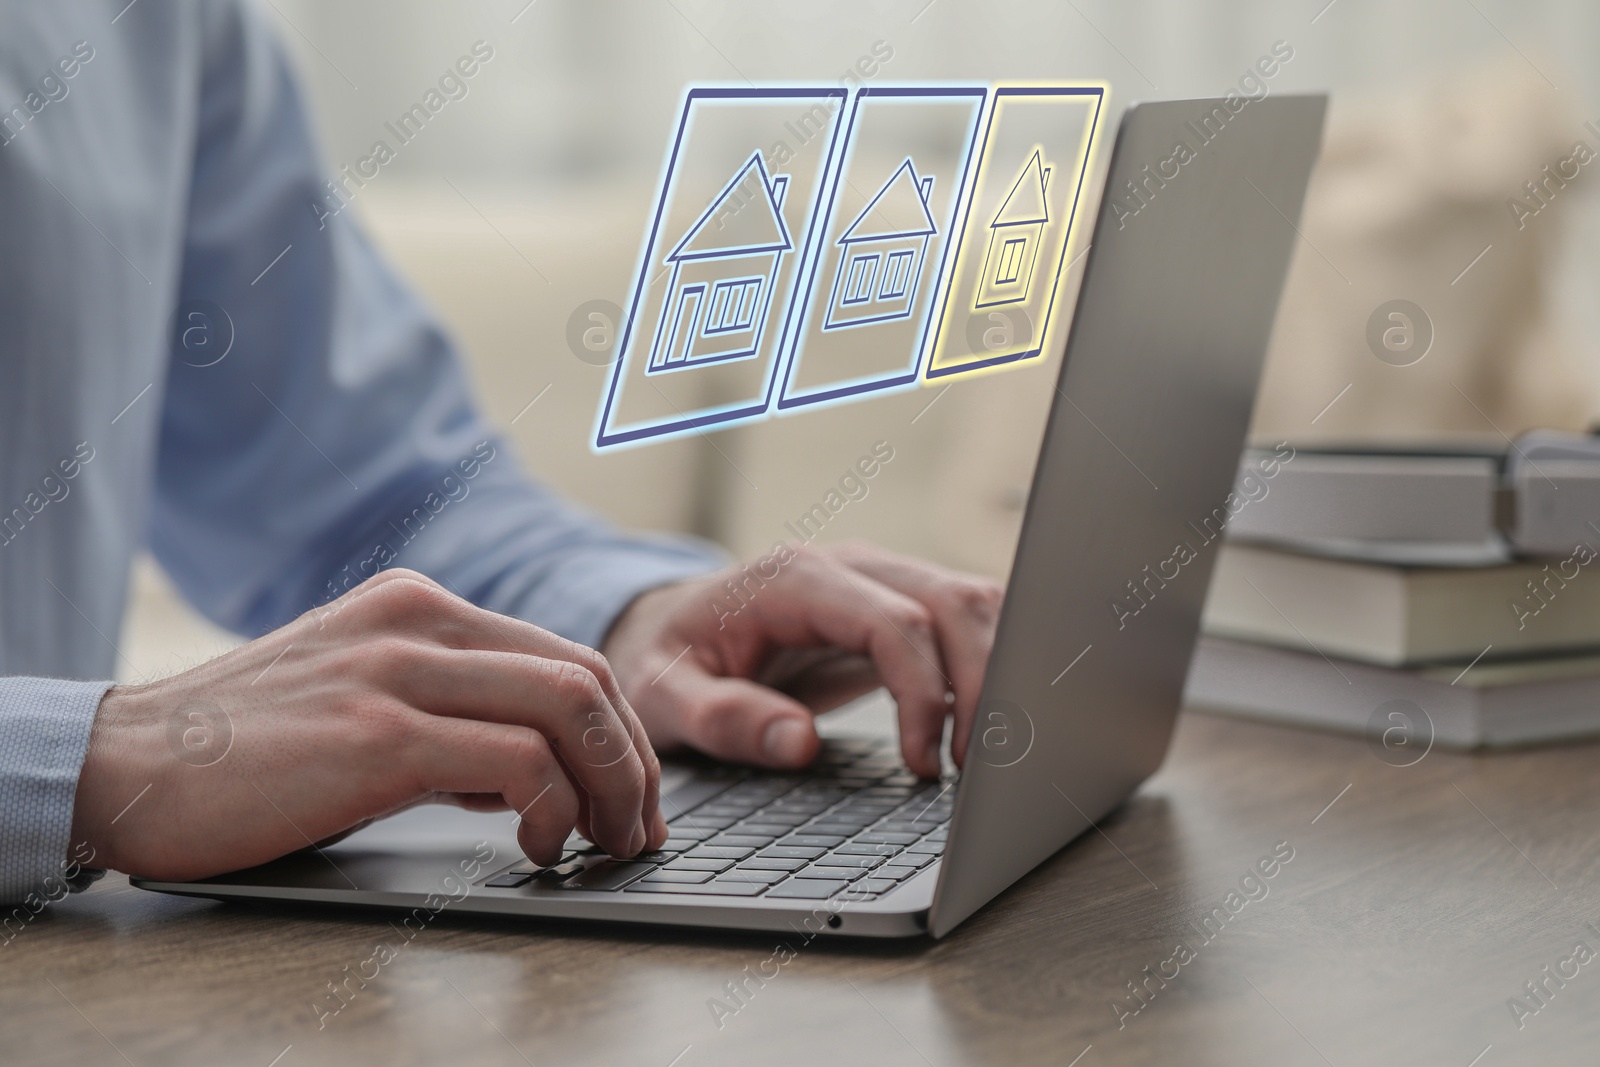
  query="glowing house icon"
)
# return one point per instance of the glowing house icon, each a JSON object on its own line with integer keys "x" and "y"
{"x": 1014, "y": 238}
{"x": 723, "y": 274}
{"x": 881, "y": 254}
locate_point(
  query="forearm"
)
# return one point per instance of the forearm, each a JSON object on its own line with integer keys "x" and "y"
{"x": 506, "y": 543}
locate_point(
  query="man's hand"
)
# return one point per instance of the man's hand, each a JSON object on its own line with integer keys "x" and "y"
{"x": 703, "y": 661}
{"x": 396, "y": 693}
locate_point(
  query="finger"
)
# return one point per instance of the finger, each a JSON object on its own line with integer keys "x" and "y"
{"x": 826, "y": 602}
{"x": 467, "y": 756}
{"x": 738, "y": 720}
{"x": 562, "y": 701}
{"x": 655, "y": 824}
{"x": 820, "y": 678}
{"x": 965, "y": 611}
{"x": 416, "y": 607}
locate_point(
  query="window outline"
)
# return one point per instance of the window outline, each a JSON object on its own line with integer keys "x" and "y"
{"x": 1013, "y": 261}
{"x": 862, "y": 283}
{"x": 897, "y": 272}
{"x": 736, "y": 312}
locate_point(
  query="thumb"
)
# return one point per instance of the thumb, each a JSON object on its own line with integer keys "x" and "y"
{"x": 742, "y": 721}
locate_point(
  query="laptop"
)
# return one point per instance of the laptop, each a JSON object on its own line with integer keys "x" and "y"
{"x": 1147, "y": 423}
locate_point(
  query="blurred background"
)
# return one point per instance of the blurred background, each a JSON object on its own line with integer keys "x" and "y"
{"x": 527, "y": 199}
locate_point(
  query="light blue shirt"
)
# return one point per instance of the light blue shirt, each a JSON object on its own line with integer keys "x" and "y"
{"x": 155, "y": 164}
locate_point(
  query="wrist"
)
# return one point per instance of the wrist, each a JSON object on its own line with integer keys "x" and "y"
{"x": 636, "y": 617}
{"x": 101, "y": 781}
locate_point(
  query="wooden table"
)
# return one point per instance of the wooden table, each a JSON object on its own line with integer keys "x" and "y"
{"x": 1418, "y": 900}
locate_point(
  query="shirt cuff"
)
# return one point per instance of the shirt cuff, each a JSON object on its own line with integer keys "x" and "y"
{"x": 44, "y": 736}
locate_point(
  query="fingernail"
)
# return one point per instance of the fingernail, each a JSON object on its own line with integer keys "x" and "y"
{"x": 932, "y": 756}
{"x": 636, "y": 844}
{"x": 786, "y": 741}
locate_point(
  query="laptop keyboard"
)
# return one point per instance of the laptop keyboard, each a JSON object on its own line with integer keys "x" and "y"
{"x": 857, "y": 820}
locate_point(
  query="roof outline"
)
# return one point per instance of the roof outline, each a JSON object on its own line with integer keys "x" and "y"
{"x": 1035, "y": 165}
{"x": 678, "y": 255}
{"x": 928, "y": 228}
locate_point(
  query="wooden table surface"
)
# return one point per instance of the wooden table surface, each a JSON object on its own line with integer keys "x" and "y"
{"x": 1414, "y": 907}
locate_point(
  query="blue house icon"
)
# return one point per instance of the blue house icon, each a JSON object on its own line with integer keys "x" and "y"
{"x": 723, "y": 274}
{"x": 1014, "y": 237}
{"x": 881, "y": 253}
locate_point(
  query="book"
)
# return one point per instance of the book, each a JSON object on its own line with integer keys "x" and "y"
{"x": 1451, "y": 505}
{"x": 1488, "y": 704}
{"x": 1393, "y": 615}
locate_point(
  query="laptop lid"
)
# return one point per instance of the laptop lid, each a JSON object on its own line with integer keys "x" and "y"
{"x": 1149, "y": 416}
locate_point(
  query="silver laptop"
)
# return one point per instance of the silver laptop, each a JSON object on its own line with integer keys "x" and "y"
{"x": 1148, "y": 419}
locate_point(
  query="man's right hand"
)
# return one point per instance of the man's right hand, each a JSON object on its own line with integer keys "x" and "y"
{"x": 396, "y": 693}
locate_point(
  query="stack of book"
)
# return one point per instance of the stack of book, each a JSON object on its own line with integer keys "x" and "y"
{"x": 1465, "y": 581}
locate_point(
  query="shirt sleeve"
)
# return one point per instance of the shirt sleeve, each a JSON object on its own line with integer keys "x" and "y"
{"x": 44, "y": 733}
{"x": 334, "y": 435}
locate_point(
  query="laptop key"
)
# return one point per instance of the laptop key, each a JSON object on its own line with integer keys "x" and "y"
{"x": 844, "y": 814}
{"x": 719, "y": 852}
{"x": 755, "y": 874}
{"x": 561, "y": 871}
{"x": 791, "y": 852}
{"x": 739, "y": 840}
{"x": 684, "y": 877}
{"x": 915, "y": 859}
{"x": 701, "y": 864}
{"x": 771, "y": 863}
{"x": 849, "y": 874}
{"x": 708, "y": 823}
{"x": 869, "y": 812}
{"x": 759, "y": 824}
{"x": 687, "y": 831}
{"x": 713, "y": 888}
{"x": 806, "y": 889}
{"x": 879, "y": 837}
{"x": 831, "y": 830}
{"x": 833, "y": 859}
{"x": 786, "y": 819}
{"x": 800, "y": 806}
{"x": 677, "y": 844}
{"x": 857, "y": 848}
{"x": 932, "y": 848}
{"x": 510, "y": 880}
{"x": 734, "y": 878}
{"x": 874, "y": 885}
{"x": 711, "y": 816}
{"x": 893, "y": 872}
{"x": 813, "y": 840}
{"x": 608, "y": 877}
{"x": 770, "y": 831}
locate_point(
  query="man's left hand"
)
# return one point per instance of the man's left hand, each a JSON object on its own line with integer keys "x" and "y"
{"x": 736, "y": 663}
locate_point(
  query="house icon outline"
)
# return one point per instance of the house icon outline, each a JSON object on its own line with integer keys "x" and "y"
{"x": 724, "y": 274}
{"x": 1015, "y": 235}
{"x": 882, "y": 253}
